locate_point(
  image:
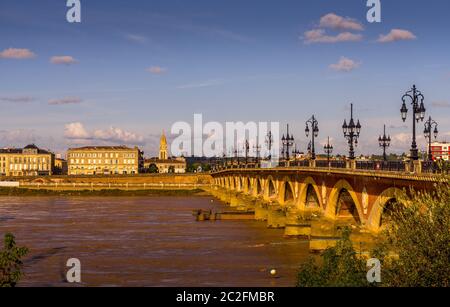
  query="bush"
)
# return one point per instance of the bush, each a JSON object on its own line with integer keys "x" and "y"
{"x": 340, "y": 267}
{"x": 10, "y": 262}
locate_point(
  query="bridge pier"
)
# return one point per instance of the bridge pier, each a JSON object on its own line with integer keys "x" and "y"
{"x": 261, "y": 210}
{"x": 276, "y": 216}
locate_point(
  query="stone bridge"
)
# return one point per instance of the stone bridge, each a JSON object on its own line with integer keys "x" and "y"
{"x": 291, "y": 198}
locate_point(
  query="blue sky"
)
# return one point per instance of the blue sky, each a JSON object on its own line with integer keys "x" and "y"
{"x": 133, "y": 68}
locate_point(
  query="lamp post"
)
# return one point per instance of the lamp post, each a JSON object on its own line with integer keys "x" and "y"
{"x": 295, "y": 152}
{"x": 287, "y": 142}
{"x": 258, "y": 150}
{"x": 384, "y": 141}
{"x": 429, "y": 124}
{"x": 328, "y": 148}
{"x": 418, "y": 114}
{"x": 247, "y": 149}
{"x": 269, "y": 142}
{"x": 314, "y": 124}
{"x": 351, "y": 133}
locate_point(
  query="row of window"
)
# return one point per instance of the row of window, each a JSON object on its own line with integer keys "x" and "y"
{"x": 99, "y": 161}
{"x": 24, "y": 160}
{"x": 100, "y": 155}
{"x": 96, "y": 167}
{"x": 19, "y": 167}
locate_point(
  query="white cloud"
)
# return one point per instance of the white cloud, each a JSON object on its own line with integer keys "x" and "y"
{"x": 19, "y": 137}
{"x": 63, "y": 59}
{"x": 17, "y": 53}
{"x": 136, "y": 38}
{"x": 337, "y": 22}
{"x": 76, "y": 131}
{"x": 396, "y": 35}
{"x": 345, "y": 64}
{"x": 17, "y": 99}
{"x": 157, "y": 70}
{"x": 201, "y": 84}
{"x": 117, "y": 135}
{"x": 320, "y": 36}
{"x": 65, "y": 100}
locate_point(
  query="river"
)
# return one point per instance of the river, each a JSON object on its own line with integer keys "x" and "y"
{"x": 145, "y": 241}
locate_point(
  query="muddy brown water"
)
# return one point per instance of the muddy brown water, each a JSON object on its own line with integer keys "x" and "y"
{"x": 145, "y": 241}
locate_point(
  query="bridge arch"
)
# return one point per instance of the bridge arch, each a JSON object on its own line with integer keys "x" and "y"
{"x": 271, "y": 190}
{"x": 286, "y": 192}
{"x": 246, "y": 184}
{"x": 308, "y": 185}
{"x": 259, "y": 186}
{"x": 332, "y": 208}
{"x": 379, "y": 206}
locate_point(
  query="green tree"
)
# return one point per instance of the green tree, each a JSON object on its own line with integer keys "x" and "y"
{"x": 152, "y": 168}
{"x": 10, "y": 262}
{"x": 420, "y": 238}
{"x": 340, "y": 267}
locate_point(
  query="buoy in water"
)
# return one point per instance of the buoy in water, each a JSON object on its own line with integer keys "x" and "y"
{"x": 273, "y": 272}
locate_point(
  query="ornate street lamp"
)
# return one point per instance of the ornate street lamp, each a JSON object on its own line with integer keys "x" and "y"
{"x": 287, "y": 142}
{"x": 269, "y": 142}
{"x": 429, "y": 124}
{"x": 351, "y": 133}
{"x": 296, "y": 152}
{"x": 257, "y": 148}
{"x": 418, "y": 114}
{"x": 247, "y": 149}
{"x": 328, "y": 148}
{"x": 314, "y": 124}
{"x": 384, "y": 141}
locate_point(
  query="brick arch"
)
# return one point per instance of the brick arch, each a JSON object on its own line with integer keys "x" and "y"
{"x": 270, "y": 182}
{"x": 258, "y": 186}
{"x": 301, "y": 199}
{"x": 231, "y": 183}
{"x": 373, "y": 222}
{"x": 286, "y": 183}
{"x": 246, "y": 187}
{"x": 330, "y": 210}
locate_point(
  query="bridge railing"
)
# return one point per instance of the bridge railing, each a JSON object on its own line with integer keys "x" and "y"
{"x": 435, "y": 167}
{"x": 426, "y": 167}
{"x": 392, "y": 166}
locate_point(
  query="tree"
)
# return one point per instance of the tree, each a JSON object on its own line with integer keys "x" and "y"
{"x": 152, "y": 168}
{"x": 340, "y": 267}
{"x": 420, "y": 237}
{"x": 10, "y": 262}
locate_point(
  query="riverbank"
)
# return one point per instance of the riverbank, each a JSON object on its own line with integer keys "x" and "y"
{"x": 103, "y": 192}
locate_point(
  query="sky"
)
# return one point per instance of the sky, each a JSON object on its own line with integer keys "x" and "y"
{"x": 131, "y": 69}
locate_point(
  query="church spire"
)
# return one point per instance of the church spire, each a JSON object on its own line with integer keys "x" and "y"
{"x": 163, "y": 147}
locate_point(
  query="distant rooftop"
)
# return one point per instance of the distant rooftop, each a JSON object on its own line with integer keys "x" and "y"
{"x": 20, "y": 150}
{"x": 122, "y": 147}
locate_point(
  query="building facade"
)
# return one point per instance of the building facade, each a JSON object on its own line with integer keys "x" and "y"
{"x": 163, "y": 162}
{"x": 27, "y": 161}
{"x": 104, "y": 160}
{"x": 440, "y": 151}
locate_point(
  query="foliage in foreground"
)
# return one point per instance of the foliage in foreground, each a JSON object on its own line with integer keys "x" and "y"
{"x": 10, "y": 262}
{"x": 419, "y": 237}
